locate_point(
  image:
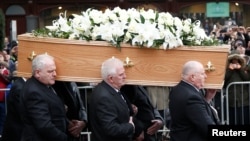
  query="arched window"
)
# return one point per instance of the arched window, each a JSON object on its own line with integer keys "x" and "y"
{"x": 15, "y": 10}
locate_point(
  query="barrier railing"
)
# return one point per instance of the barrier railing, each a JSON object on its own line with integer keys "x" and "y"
{"x": 240, "y": 112}
{"x": 5, "y": 97}
{"x": 85, "y": 91}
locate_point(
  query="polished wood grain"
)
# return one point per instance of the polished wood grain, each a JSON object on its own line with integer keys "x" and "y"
{"x": 81, "y": 60}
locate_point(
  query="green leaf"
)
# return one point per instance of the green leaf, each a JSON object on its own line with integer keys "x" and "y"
{"x": 142, "y": 19}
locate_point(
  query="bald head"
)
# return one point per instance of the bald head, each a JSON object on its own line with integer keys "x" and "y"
{"x": 191, "y": 67}
{"x": 194, "y": 73}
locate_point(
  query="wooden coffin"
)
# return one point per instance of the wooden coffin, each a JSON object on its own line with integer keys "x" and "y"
{"x": 80, "y": 61}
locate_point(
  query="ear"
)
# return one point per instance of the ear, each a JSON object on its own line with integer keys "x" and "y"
{"x": 37, "y": 73}
{"x": 110, "y": 78}
{"x": 192, "y": 77}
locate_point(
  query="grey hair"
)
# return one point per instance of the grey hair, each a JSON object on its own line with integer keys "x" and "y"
{"x": 39, "y": 62}
{"x": 109, "y": 67}
{"x": 190, "y": 68}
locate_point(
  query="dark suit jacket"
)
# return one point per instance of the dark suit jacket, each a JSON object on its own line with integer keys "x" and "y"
{"x": 138, "y": 96}
{"x": 13, "y": 125}
{"x": 190, "y": 114}
{"x": 76, "y": 108}
{"x": 43, "y": 113}
{"x": 109, "y": 115}
{"x": 70, "y": 95}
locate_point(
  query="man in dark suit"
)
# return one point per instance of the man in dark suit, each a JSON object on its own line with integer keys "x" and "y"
{"x": 43, "y": 112}
{"x": 109, "y": 114}
{"x": 76, "y": 113}
{"x": 190, "y": 112}
{"x": 148, "y": 116}
{"x": 13, "y": 125}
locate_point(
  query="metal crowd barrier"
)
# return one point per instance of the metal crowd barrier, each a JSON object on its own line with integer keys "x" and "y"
{"x": 5, "y": 97}
{"x": 243, "y": 110}
{"x": 86, "y": 91}
{"x": 219, "y": 106}
{"x": 223, "y": 104}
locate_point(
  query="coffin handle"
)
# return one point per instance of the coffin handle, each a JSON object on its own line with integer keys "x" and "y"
{"x": 128, "y": 62}
{"x": 209, "y": 66}
{"x": 32, "y": 56}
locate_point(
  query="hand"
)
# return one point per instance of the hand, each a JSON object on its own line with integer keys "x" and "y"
{"x": 231, "y": 66}
{"x": 234, "y": 66}
{"x": 140, "y": 137}
{"x": 75, "y": 127}
{"x": 157, "y": 124}
{"x": 131, "y": 121}
{"x": 135, "y": 109}
{"x": 210, "y": 93}
{"x": 237, "y": 66}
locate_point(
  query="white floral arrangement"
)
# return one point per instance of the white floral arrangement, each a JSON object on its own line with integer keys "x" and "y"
{"x": 143, "y": 28}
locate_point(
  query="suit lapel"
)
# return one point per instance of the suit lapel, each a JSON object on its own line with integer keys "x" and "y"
{"x": 112, "y": 92}
{"x": 116, "y": 96}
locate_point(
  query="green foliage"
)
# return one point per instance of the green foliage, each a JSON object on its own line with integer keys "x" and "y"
{"x": 2, "y": 30}
{"x": 46, "y": 33}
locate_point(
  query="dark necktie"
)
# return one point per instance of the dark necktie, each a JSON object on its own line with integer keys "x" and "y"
{"x": 122, "y": 96}
{"x": 215, "y": 114}
{"x": 51, "y": 88}
{"x": 130, "y": 109}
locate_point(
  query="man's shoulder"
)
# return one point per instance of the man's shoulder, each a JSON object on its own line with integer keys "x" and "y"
{"x": 32, "y": 84}
{"x": 181, "y": 86}
{"x": 183, "y": 90}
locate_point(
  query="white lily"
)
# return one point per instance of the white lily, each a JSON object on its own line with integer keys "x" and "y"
{"x": 137, "y": 27}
